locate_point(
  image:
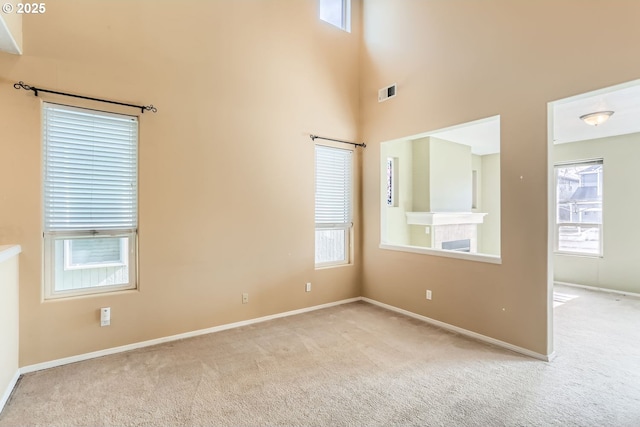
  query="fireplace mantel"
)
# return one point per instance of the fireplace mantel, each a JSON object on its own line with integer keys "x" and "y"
{"x": 444, "y": 218}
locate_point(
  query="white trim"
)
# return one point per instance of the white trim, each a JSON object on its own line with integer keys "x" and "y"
{"x": 491, "y": 259}
{"x": 7, "y": 41}
{"x": 551, "y": 219}
{"x": 346, "y": 12}
{"x": 142, "y": 344}
{"x": 465, "y": 332}
{"x": 593, "y": 288}
{"x": 9, "y": 251}
{"x": 444, "y": 218}
{"x": 7, "y": 393}
{"x": 578, "y": 254}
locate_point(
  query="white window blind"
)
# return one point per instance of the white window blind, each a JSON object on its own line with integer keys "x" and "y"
{"x": 334, "y": 171}
{"x": 90, "y": 170}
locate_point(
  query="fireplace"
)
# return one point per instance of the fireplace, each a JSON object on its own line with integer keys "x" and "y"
{"x": 463, "y": 245}
{"x": 449, "y": 229}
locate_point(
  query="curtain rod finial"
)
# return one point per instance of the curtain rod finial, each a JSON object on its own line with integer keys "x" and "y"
{"x": 22, "y": 85}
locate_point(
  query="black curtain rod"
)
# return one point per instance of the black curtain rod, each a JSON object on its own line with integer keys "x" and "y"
{"x": 314, "y": 137}
{"x": 143, "y": 108}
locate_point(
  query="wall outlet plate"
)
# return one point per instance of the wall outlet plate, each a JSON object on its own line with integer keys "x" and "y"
{"x": 105, "y": 316}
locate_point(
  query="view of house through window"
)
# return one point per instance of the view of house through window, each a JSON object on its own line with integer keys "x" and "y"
{"x": 579, "y": 207}
{"x": 90, "y": 200}
{"x": 336, "y": 12}
{"x": 333, "y": 211}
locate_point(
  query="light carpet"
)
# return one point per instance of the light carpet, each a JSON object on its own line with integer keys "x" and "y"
{"x": 355, "y": 364}
{"x": 559, "y": 298}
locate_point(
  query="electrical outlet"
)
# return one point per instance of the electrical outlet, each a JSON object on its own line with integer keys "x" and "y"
{"x": 308, "y": 287}
{"x": 105, "y": 316}
{"x": 245, "y": 298}
{"x": 428, "y": 294}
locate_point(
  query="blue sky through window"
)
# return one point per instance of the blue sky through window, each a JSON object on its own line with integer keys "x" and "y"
{"x": 332, "y": 11}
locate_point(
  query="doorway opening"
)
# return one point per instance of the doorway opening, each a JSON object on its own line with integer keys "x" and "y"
{"x": 593, "y": 152}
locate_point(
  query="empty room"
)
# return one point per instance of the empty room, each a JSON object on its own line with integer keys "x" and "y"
{"x": 319, "y": 212}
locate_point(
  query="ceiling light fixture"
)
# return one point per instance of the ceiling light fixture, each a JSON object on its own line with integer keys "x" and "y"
{"x": 597, "y": 118}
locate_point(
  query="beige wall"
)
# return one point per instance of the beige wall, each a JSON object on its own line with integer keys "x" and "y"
{"x": 450, "y": 169}
{"x": 476, "y": 165}
{"x": 618, "y": 268}
{"x": 226, "y": 165}
{"x": 441, "y": 175}
{"x": 459, "y": 61}
{"x": 226, "y": 181}
{"x": 421, "y": 191}
{"x": 8, "y": 322}
{"x": 421, "y": 175}
{"x": 490, "y": 193}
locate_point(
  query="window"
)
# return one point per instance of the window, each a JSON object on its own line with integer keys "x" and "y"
{"x": 90, "y": 201}
{"x": 92, "y": 253}
{"x": 336, "y": 12}
{"x": 579, "y": 208}
{"x": 334, "y": 187}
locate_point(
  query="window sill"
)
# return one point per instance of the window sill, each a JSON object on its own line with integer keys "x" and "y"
{"x": 329, "y": 266}
{"x": 490, "y": 259}
{"x": 578, "y": 254}
{"x": 77, "y": 294}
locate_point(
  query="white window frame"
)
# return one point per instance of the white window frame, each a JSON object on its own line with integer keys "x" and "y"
{"x": 345, "y": 18}
{"x": 585, "y": 225}
{"x": 49, "y": 271}
{"x": 347, "y": 248}
{"x": 347, "y": 228}
{"x": 56, "y": 243}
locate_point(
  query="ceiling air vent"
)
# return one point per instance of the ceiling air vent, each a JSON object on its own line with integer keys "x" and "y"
{"x": 387, "y": 92}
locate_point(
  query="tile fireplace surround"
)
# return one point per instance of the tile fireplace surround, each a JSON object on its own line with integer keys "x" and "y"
{"x": 449, "y": 226}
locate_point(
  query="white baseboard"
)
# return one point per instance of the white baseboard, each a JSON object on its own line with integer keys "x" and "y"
{"x": 465, "y": 332}
{"x": 128, "y": 347}
{"x": 142, "y": 344}
{"x": 593, "y": 288}
{"x": 9, "y": 389}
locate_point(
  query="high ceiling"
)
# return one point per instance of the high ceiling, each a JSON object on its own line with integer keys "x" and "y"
{"x": 483, "y": 136}
{"x": 7, "y": 41}
{"x": 624, "y": 100}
